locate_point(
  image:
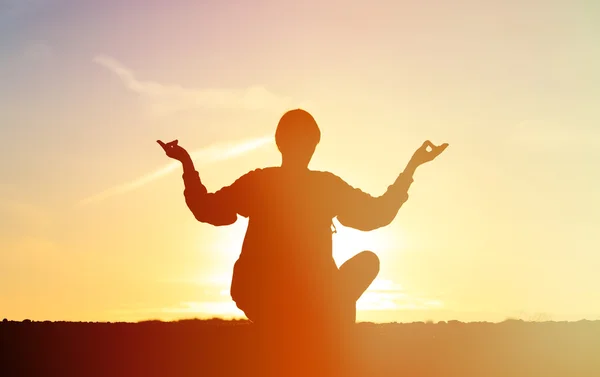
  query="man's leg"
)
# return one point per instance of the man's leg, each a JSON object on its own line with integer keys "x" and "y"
{"x": 355, "y": 276}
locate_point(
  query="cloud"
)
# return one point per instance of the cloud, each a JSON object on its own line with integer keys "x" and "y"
{"x": 172, "y": 98}
{"x": 384, "y": 294}
{"x": 204, "y": 156}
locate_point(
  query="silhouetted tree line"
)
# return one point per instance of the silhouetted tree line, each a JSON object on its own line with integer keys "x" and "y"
{"x": 230, "y": 348}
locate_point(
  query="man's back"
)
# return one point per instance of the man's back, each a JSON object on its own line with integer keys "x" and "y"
{"x": 288, "y": 243}
{"x": 290, "y": 215}
{"x": 287, "y": 250}
{"x": 290, "y": 211}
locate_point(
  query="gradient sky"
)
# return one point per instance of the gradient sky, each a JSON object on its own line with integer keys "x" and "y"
{"x": 93, "y": 224}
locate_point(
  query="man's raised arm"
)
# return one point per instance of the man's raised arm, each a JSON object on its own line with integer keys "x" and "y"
{"x": 359, "y": 210}
{"x": 219, "y": 208}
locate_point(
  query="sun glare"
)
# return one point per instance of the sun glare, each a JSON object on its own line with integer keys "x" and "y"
{"x": 348, "y": 242}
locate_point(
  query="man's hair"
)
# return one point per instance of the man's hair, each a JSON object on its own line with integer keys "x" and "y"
{"x": 297, "y": 127}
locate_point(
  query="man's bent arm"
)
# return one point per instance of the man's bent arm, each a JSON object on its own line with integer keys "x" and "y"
{"x": 213, "y": 208}
{"x": 364, "y": 212}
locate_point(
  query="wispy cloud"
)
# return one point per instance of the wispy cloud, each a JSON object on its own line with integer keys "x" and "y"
{"x": 204, "y": 156}
{"x": 384, "y": 294}
{"x": 386, "y": 299}
{"x": 172, "y": 98}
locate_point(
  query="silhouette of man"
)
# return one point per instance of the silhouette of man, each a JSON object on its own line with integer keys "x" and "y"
{"x": 286, "y": 271}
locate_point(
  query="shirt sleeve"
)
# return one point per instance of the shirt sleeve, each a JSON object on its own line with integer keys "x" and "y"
{"x": 359, "y": 210}
{"x": 223, "y": 206}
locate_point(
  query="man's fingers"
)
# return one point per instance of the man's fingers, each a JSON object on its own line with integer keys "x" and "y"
{"x": 428, "y": 144}
{"x": 167, "y": 146}
{"x": 434, "y": 152}
{"x": 438, "y": 150}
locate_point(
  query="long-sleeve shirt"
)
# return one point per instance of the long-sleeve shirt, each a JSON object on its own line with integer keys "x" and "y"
{"x": 290, "y": 213}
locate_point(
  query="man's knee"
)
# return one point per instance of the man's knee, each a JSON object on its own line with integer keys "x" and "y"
{"x": 370, "y": 261}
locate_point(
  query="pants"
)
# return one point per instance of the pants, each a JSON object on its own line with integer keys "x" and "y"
{"x": 333, "y": 298}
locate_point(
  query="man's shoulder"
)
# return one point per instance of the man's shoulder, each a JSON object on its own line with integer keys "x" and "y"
{"x": 326, "y": 177}
{"x": 266, "y": 173}
{"x": 324, "y": 174}
{"x": 259, "y": 173}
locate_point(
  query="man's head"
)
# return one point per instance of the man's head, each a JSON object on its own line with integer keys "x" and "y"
{"x": 297, "y": 136}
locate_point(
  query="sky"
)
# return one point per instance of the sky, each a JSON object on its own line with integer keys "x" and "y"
{"x": 504, "y": 224}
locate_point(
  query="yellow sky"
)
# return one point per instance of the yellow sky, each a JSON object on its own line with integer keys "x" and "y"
{"x": 503, "y": 224}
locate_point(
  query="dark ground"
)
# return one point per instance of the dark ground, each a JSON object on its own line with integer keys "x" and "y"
{"x": 223, "y": 348}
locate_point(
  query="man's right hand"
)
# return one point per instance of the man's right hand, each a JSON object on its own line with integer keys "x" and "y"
{"x": 173, "y": 150}
{"x": 422, "y": 155}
